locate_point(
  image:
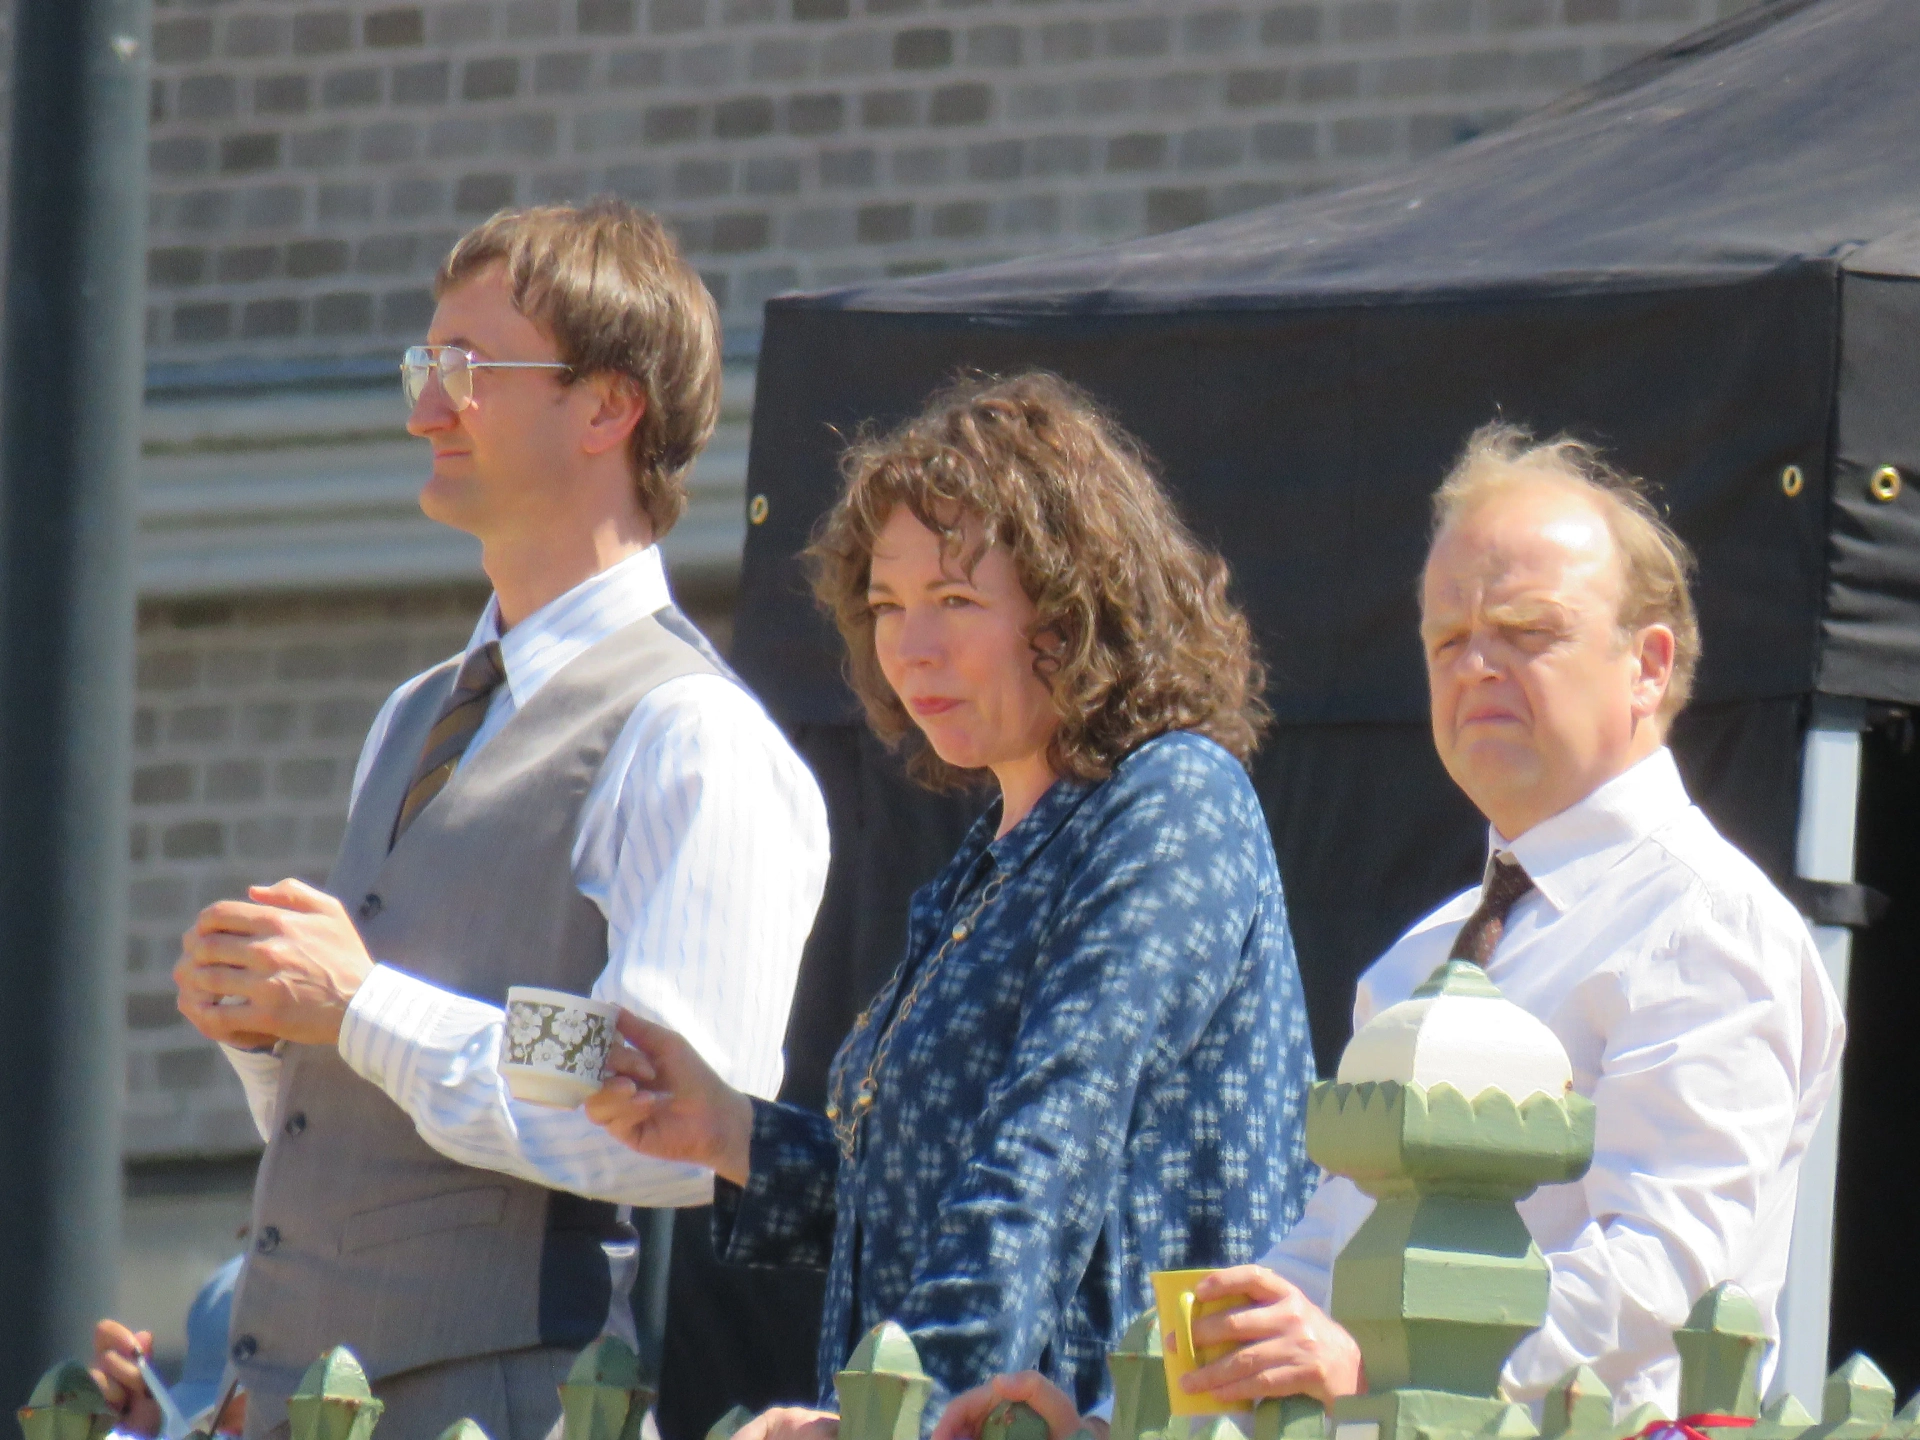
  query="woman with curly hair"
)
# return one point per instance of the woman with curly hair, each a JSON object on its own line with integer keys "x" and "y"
{"x": 1092, "y": 1062}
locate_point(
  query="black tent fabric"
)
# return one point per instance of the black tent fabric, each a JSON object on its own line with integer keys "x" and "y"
{"x": 1708, "y": 263}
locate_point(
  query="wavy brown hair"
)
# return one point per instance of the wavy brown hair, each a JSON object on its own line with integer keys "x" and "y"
{"x": 1135, "y": 635}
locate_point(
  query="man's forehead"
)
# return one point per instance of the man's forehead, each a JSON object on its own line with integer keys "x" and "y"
{"x": 1540, "y": 541}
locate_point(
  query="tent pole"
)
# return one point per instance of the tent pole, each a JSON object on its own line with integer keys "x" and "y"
{"x": 1829, "y": 802}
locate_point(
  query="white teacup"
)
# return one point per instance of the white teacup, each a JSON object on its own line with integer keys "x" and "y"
{"x": 556, "y": 1045}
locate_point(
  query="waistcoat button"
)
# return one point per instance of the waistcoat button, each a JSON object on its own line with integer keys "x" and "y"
{"x": 244, "y": 1347}
{"x": 296, "y": 1122}
{"x": 369, "y": 907}
{"x": 269, "y": 1240}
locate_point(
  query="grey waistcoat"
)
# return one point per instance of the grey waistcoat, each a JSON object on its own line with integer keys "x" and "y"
{"x": 362, "y": 1234}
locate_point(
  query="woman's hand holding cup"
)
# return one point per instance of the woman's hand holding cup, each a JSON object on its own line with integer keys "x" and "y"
{"x": 661, "y": 1099}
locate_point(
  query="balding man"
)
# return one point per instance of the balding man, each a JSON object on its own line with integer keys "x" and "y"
{"x": 1560, "y": 642}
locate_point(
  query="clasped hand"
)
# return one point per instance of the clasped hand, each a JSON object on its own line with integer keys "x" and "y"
{"x": 283, "y": 964}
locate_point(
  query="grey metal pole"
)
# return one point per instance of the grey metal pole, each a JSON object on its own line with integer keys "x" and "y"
{"x": 69, "y": 433}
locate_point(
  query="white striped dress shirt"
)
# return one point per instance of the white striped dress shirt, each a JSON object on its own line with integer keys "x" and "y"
{"x": 703, "y": 842}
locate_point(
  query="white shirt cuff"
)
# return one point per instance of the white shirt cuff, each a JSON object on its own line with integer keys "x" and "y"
{"x": 394, "y": 1015}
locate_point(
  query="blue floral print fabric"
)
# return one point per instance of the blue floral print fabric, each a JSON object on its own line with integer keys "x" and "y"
{"x": 1107, "y": 1076}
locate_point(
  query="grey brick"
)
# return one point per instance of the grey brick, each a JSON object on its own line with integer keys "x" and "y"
{"x": 180, "y": 155}
{"x": 406, "y": 312}
{"x": 244, "y": 154}
{"x": 605, "y": 17}
{"x": 482, "y": 194}
{"x": 385, "y": 29}
{"x": 995, "y": 160}
{"x": 847, "y": 168}
{"x": 960, "y": 105}
{"x": 199, "y": 724}
{"x": 162, "y": 784}
{"x": 741, "y": 233}
{"x": 268, "y": 721}
{"x": 165, "y": 898}
{"x": 894, "y": 7}
{"x": 245, "y": 264}
{"x": 319, "y": 149}
{"x": 1363, "y": 137}
{"x": 1213, "y": 32}
{"x": 562, "y": 73}
{"x": 922, "y": 49}
{"x": 1667, "y": 12}
{"x": 266, "y": 837}
{"x": 309, "y": 259}
{"x": 1293, "y": 25}
{"x": 157, "y": 101}
{"x": 1065, "y": 41}
{"x": 343, "y": 88}
{"x": 1139, "y": 35}
{"x": 1364, "y": 20}
{"x": 701, "y": 179}
{"x": 203, "y": 209}
{"x": 668, "y": 123}
{"x": 959, "y": 219}
{"x": 921, "y": 165}
{"x": 883, "y": 224}
{"x": 1339, "y": 81}
{"x": 1256, "y": 87}
{"x": 146, "y": 727}
{"x": 180, "y": 42}
{"x": 462, "y": 23}
{"x": 1062, "y": 155}
{"x": 236, "y": 780}
{"x": 459, "y": 138}
{"x": 1175, "y": 209}
{"x": 636, "y": 67}
{"x": 1479, "y": 70}
{"x": 1593, "y": 12}
{"x": 176, "y": 265}
{"x": 853, "y": 52}
{"x": 819, "y": 9}
{"x": 770, "y": 175}
{"x": 247, "y": 37}
{"x": 495, "y": 78}
{"x": 1409, "y": 75}
{"x": 270, "y": 319}
{"x": 272, "y": 207}
{"x": 1211, "y": 148}
{"x": 1442, "y": 17}
{"x": 530, "y": 136}
{"x": 1182, "y": 93}
{"x": 889, "y": 109}
{"x": 997, "y": 46}
{"x": 206, "y": 97}
{"x": 152, "y": 1011}
{"x": 783, "y": 59}
{"x": 1552, "y": 69}
{"x": 202, "y": 321}
{"x": 386, "y": 254}
{"x": 643, "y": 183}
{"x": 282, "y": 94}
{"x": 750, "y": 12}
{"x": 321, "y": 32}
{"x": 186, "y": 1069}
{"x": 743, "y": 117}
{"x": 1138, "y": 151}
{"x": 1517, "y": 14}
{"x": 425, "y": 83}
{"x": 816, "y": 114}
{"x": 228, "y": 666}
{"x": 669, "y": 17}
{"x": 1107, "y": 95}
{"x": 533, "y": 19}
{"x": 346, "y": 312}
{"x": 1032, "y": 215}
{"x": 760, "y": 286}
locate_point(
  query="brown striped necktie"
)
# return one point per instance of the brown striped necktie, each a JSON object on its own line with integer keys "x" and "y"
{"x": 1506, "y": 882}
{"x": 447, "y": 741}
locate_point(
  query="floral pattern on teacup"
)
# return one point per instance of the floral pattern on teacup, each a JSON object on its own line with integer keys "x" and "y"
{"x": 555, "y": 1037}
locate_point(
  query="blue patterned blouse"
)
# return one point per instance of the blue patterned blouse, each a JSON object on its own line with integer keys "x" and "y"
{"x": 1106, "y": 1076}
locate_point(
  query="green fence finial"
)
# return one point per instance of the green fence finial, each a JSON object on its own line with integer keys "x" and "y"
{"x": 1784, "y": 1418}
{"x": 464, "y": 1429}
{"x": 883, "y": 1389}
{"x": 333, "y": 1401}
{"x": 66, "y": 1405}
{"x": 604, "y": 1397}
{"x": 728, "y": 1425}
{"x": 1857, "y": 1400}
{"x": 1139, "y": 1380}
{"x": 1013, "y": 1420}
{"x": 1293, "y": 1417}
{"x": 1580, "y": 1403}
{"x": 1450, "y": 1108}
{"x": 1721, "y": 1347}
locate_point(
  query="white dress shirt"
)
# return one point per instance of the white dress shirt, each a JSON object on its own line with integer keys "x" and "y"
{"x": 1703, "y": 1027}
{"x": 703, "y": 842}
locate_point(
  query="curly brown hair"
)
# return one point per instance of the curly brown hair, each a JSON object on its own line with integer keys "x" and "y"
{"x": 1134, "y": 636}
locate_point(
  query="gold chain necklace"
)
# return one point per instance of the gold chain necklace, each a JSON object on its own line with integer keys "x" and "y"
{"x": 846, "y": 1125}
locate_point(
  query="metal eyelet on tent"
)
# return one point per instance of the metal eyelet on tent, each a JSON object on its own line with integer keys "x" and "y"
{"x": 1885, "y": 485}
{"x": 1792, "y": 481}
{"x": 757, "y": 510}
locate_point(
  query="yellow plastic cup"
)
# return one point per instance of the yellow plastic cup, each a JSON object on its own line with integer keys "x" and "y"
{"x": 1173, "y": 1298}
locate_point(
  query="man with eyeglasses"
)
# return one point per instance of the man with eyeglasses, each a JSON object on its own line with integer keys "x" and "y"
{"x": 585, "y": 799}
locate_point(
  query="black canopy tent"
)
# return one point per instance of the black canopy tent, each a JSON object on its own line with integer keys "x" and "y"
{"x": 1709, "y": 263}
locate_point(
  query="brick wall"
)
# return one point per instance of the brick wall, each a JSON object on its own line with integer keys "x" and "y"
{"x": 312, "y": 160}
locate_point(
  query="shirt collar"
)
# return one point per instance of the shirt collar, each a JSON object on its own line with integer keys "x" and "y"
{"x": 1012, "y": 850}
{"x": 540, "y": 646}
{"x": 1566, "y": 853}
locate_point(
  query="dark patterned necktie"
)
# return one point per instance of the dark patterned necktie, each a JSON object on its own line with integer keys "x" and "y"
{"x": 447, "y": 741}
{"x": 1506, "y": 883}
